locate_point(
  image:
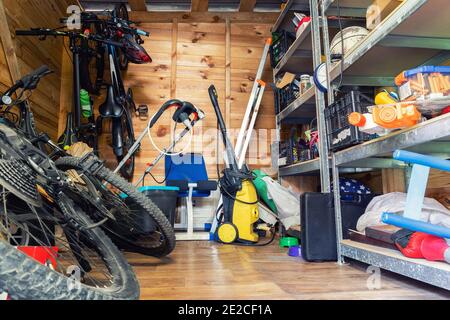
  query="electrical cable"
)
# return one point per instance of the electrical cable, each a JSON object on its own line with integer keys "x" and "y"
{"x": 231, "y": 196}
{"x": 191, "y": 131}
{"x": 219, "y": 175}
{"x": 258, "y": 244}
{"x": 170, "y": 167}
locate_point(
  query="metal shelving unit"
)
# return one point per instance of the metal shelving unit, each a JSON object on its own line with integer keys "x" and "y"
{"x": 413, "y": 34}
{"x": 299, "y": 54}
{"x": 435, "y": 273}
{"x": 288, "y": 12}
{"x": 304, "y": 56}
{"x": 301, "y": 168}
{"x": 301, "y": 108}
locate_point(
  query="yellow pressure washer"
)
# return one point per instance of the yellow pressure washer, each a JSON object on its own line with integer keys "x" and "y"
{"x": 240, "y": 199}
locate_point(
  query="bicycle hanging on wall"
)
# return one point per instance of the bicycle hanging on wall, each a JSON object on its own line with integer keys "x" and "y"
{"x": 123, "y": 44}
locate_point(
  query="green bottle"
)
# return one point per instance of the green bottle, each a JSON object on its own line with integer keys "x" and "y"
{"x": 86, "y": 107}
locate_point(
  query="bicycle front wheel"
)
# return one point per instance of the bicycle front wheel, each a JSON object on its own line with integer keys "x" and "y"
{"x": 128, "y": 140}
{"x": 86, "y": 265}
{"x": 139, "y": 225}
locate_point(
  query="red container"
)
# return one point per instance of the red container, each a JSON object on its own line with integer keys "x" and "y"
{"x": 45, "y": 255}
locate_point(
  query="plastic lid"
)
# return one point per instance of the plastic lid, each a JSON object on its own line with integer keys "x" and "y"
{"x": 158, "y": 188}
{"x": 357, "y": 119}
{"x": 155, "y": 188}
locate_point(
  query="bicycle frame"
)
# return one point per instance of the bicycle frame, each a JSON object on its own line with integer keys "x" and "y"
{"x": 76, "y": 82}
{"x": 124, "y": 99}
{"x": 116, "y": 77}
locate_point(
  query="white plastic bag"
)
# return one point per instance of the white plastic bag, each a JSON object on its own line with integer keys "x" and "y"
{"x": 286, "y": 201}
{"x": 394, "y": 202}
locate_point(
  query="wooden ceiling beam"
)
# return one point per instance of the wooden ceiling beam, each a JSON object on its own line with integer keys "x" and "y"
{"x": 199, "y": 6}
{"x": 207, "y": 17}
{"x": 247, "y": 5}
{"x": 137, "y": 5}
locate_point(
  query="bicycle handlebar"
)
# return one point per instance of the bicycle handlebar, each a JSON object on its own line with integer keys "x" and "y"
{"x": 124, "y": 26}
{"x": 39, "y": 72}
{"x": 28, "y": 82}
{"x": 119, "y": 23}
{"x": 142, "y": 33}
{"x": 38, "y": 32}
{"x": 50, "y": 32}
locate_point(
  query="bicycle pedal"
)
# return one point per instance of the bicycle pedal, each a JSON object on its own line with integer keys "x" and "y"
{"x": 142, "y": 112}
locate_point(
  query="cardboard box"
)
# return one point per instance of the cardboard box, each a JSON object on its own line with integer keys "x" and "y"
{"x": 287, "y": 79}
{"x": 378, "y": 10}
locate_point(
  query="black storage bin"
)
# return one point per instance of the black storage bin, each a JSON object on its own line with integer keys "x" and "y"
{"x": 165, "y": 198}
{"x": 284, "y": 152}
{"x": 281, "y": 41}
{"x": 318, "y": 223}
{"x": 340, "y": 133}
{"x": 285, "y": 96}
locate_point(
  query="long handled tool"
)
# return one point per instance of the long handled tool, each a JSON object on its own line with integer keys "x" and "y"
{"x": 247, "y": 126}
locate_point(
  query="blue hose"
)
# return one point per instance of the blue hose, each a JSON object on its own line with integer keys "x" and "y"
{"x": 415, "y": 225}
{"x": 427, "y": 161}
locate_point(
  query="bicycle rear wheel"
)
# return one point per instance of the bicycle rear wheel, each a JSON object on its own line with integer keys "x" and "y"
{"x": 86, "y": 264}
{"x": 122, "y": 13}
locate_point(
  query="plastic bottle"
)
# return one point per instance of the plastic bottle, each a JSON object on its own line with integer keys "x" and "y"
{"x": 365, "y": 123}
{"x": 85, "y": 100}
{"x": 385, "y": 97}
{"x": 396, "y": 116}
{"x": 305, "y": 83}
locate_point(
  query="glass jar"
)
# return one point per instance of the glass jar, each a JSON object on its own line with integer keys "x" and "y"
{"x": 305, "y": 83}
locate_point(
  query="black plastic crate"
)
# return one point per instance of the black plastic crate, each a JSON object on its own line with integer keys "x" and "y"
{"x": 283, "y": 152}
{"x": 285, "y": 96}
{"x": 340, "y": 133}
{"x": 281, "y": 41}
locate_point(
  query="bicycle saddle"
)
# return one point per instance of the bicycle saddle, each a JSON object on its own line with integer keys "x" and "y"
{"x": 111, "y": 108}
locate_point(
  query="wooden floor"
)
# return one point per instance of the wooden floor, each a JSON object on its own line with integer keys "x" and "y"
{"x": 207, "y": 270}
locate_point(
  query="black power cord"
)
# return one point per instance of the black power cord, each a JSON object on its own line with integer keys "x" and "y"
{"x": 170, "y": 167}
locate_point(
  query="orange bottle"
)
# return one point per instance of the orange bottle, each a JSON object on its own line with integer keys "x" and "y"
{"x": 396, "y": 116}
{"x": 365, "y": 123}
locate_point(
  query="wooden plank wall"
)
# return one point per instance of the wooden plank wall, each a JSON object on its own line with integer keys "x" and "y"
{"x": 32, "y": 53}
{"x": 187, "y": 59}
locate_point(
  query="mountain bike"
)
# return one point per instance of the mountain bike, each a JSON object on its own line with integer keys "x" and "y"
{"x": 92, "y": 56}
{"x": 67, "y": 213}
{"x": 118, "y": 102}
{"x": 80, "y": 126}
{"x": 128, "y": 210}
{"x": 38, "y": 201}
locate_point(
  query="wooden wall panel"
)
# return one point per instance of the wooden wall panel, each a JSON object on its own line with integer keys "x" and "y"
{"x": 247, "y": 43}
{"x": 32, "y": 53}
{"x": 5, "y": 76}
{"x": 199, "y": 51}
{"x": 204, "y": 44}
